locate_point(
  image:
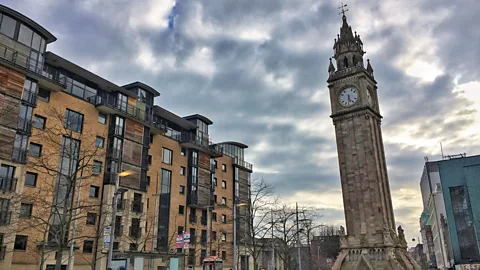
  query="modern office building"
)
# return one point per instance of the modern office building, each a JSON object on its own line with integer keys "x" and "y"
{"x": 452, "y": 187}
{"x": 70, "y": 140}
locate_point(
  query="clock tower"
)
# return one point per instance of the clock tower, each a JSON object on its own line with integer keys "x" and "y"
{"x": 371, "y": 241}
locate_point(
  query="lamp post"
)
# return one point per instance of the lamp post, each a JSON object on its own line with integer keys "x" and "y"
{"x": 235, "y": 233}
{"x": 114, "y": 213}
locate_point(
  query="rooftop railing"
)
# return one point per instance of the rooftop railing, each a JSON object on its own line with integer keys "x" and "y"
{"x": 242, "y": 163}
{"x": 122, "y": 107}
{"x": 202, "y": 141}
{"x": 23, "y": 61}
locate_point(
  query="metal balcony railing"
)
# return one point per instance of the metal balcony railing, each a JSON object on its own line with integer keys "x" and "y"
{"x": 135, "y": 232}
{"x": 123, "y": 107}
{"x": 23, "y": 61}
{"x": 8, "y": 184}
{"x": 121, "y": 204}
{"x": 19, "y": 155}
{"x": 24, "y": 126}
{"x": 202, "y": 141}
{"x": 29, "y": 97}
{"x": 242, "y": 163}
{"x": 5, "y": 217}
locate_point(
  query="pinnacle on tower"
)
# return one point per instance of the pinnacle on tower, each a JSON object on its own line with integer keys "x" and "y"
{"x": 369, "y": 67}
{"x": 331, "y": 68}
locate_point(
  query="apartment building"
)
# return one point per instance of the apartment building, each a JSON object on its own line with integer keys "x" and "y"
{"x": 70, "y": 140}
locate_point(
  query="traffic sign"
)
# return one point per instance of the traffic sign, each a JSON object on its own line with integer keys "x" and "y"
{"x": 106, "y": 240}
{"x": 107, "y": 230}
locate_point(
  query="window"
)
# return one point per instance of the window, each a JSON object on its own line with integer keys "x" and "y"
{"x": 224, "y": 218}
{"x": 224, "y": 184}
{"x": 97, "y": 167}
{"x": 224, "y": 237}
{"x": 180, "y": 229}
{"x": 148, "y": 180}
{"x": 149, "y": 159}
{"x": 182, "y": 170}
{"x": 224, "y": 256}
{"x": 116, "y": 245}
{"x": 215, "y": 198}
{"x": 20, "y": 242}
{"x": 99, "y": 142}
{"x": 26, "y": 210}
{"x": 215, "y": 164}
{"x": 102, "y": 118}
{"x": 214, "y": 237}
{"x": 87, "y": 246}
{"x": 183, "y": 151}
{"x": 133, "y": 247}
{"x": 8, "y": 26}
{"x": 214, "y": 216}
{"x": 35, "y": 150}
{"x": 31, "y": 179}
{"x": 224, "y": 167}
{"x": 43, "y": 95}
{"x": 91, "y": 218}
{"x": 215, "y": 181}
{"x": 39, "y": 121}
{"x": 224, "y": 201}
{"x": 167, "y": 156}
{"x": 94, "y": 190}
{"x": 181, "y": 209}
{"x": 122, "y": 102}
{"x": 73, "y": 120}
{"x": 214, "y": 253}
{"x": 182, "y": 189}
{"x": 119, "y": 123}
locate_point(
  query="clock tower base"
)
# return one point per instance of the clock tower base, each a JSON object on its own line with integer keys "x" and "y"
{"x": 390, "y": 254}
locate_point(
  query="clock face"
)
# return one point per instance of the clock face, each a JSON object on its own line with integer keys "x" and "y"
{"x": 348, "y": 96}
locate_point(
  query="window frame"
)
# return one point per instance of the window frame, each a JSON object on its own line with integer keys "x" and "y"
{"x": 96, "y": 190}
{"x": 95, "y": 165}
{"x": 99, "y": 139}
{"x": 224, "y": 167}
{"x": 91, "y": 243}
{"x": 182, "y": 170}
{"x": 181, "y": 209}
{"x": 30, "y": 209}
{"x": 24, "y": 244}
{"x": 89, "y": 222}
{"x": 224, "y": 184}
{"x": 35, "y": 116}
{"x": 103, "y": 116}
{"x": 35, "y": 179}
{"x": 166, "y": 150}
{"x": 36, "y": 145}
{"x": 182, "y": 190}
{"x": 40, "y": 93}
{"x": 224, "y": 219}
{"x": 68, "y": 125}
{"x": 224, "y": 201}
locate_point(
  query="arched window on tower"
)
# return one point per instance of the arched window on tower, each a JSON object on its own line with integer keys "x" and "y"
{"x": 354, "y": 59}
{"x": 345, "y": 62}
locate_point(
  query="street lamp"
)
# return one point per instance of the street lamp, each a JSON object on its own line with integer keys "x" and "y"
{"x": 114, "y": 213}
{"x": 235, "y": 233}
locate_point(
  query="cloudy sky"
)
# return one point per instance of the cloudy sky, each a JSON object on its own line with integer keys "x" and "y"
{"x": 258, "y": 70}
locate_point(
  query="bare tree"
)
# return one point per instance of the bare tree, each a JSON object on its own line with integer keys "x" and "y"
{"x": 254, "y": 225}
{"x": 66, "y": 164}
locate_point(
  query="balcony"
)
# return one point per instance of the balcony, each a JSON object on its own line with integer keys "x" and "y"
{"x": 243, "y": 164}
{"x": 191, "y": 140}
{"x": 24, "y": 126}
{"x": 8, "y": 184}
{"x": 135, "y": 232}
{"x": 137, "y": 207}
{"x": 110, "y": 105}
{"x": 19, "y": 155}
{"x": 46, "y": 75}
{"x": 158, "y": 127}
{"x": 5, "y": 217}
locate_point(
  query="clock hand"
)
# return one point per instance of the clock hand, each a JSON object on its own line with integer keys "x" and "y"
{"x": 348, "y": 96}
